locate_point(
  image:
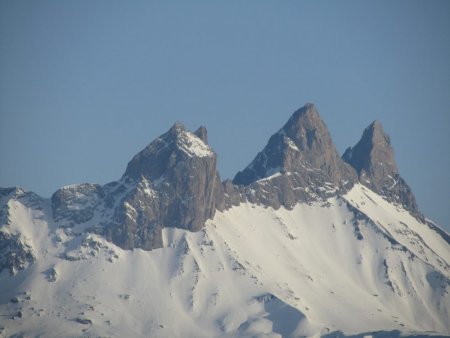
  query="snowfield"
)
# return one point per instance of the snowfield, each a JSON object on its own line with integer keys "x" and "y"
{"x": 350, "y": 265}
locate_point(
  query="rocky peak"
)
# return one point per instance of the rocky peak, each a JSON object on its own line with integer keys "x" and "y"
{"x": 202, "y": 133}
{"x": 176, "y": 145}
{"x": 312, "y": 138}
{"x": 306, "y": 117}
{"x": 177, "y": 128}
{"x": 302, "y": 145}
{"x": 177, "y": 185}
{"x": 373, "y": 154}
{"x": 303, "y": 155}
{"x": 373, "y": 159}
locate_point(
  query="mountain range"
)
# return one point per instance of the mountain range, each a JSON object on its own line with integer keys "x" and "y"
{"x": 301, "y": 243}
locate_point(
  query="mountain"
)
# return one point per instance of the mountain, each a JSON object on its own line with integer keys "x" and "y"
{"x": 302, "y": 243}
{"x": 373, "y": 159}
{"x": 299, "y": 164}
{"x": 173, "y": 182}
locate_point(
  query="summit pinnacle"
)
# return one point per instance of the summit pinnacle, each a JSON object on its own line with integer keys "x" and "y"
{"x": 373, "y": 159}
{"x": 176, "y": 184}
{"x": 302, "y": 156}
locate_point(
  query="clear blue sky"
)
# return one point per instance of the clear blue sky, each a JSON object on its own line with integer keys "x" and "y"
{"x": 84, "y": 85}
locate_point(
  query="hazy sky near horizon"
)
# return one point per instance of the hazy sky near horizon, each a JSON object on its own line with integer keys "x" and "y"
{"x": 84, "y": 85}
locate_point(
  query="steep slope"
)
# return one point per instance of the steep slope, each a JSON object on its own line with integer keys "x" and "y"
{"x": 299, "y": 163}
{"x": 252, "y": 271}
{"x": 16, "y": 240}
{"x": 373, "y": 158}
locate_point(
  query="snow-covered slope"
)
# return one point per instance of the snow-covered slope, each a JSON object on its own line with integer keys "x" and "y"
{"x": 354, "y": 264}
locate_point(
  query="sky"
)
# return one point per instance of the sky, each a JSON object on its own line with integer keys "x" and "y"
{"x": 85, "y": 85}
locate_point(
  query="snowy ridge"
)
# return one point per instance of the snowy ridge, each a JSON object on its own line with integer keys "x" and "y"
{"x": 293, "y": 278}
{"x": 419, "y": 237}
{"x": 193, "y": 145}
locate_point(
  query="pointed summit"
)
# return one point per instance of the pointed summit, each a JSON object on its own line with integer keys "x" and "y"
{"x": 304, "y": 154}
{"x": 173, "y": 182}
{"x": 175, "y": 145}
{"x": 177, "y": 127}
{"x": 303, "y": 142}
{"x": 373, "y": 154}
{"x": 306, "y": 113}
{"x": 311, "y": 136}
{"x": 374, "y": 161}
{"x": 202, "y": 133}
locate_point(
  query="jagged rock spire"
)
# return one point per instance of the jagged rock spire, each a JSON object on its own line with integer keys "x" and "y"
{"x": 202, "y": 133}
{"x": 304, "y": 155}
{"x": 373, "y": 159}
{"x": 373, "y": 154}
{"x": 166, "y": 151}
{"x": 302, "y": 145}
{"x": 176, "y": 184}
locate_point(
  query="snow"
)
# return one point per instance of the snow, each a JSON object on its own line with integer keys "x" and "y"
{"x": 29, "y": 223}
{"x": 291, "y": 143}
{"x": 394, "y": 182}
{"x": 251, "y": 272}
{"x": 193, "y": 145}
{"x": 70, "y": 187}
{"x": 145, "y": 186}
{"x": 423, "y": 241}
{"x": 271, "y": 174}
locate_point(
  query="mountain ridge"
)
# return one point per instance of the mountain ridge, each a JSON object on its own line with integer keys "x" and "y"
{"x": 300, "y": 163}
{"x": 301, "y": 234}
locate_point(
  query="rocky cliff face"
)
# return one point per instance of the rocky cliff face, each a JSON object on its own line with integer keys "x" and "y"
{"x": 76, "y": 203}
{"x": 15, "y": 253}
{"x": 373, "y": 159}
{"x": 299, "y": 163}
{"x": 173, "y": 182}
{"x": 176, "y": 185}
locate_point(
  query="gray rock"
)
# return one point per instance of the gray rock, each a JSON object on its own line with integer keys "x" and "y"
{"x": 28, "y": 198}
{"x": 51, "y": 274}
{"x": 12, "y": 192}
{"x": 84, "y": 321}
{"x": 233, "y": 194}
{"x": 202, "y": 134}
{"x": 15, "y": 254}
{"x": 176, "y": 185}
{"x": 299, "y": 164}
{"x": 76, "y": 203}
{"x": 373, "y": 159}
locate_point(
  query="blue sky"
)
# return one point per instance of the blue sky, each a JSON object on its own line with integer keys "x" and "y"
{"x": 84, "y": 85}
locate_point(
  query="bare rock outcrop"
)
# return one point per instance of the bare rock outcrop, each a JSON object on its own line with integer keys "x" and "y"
{"x": 176, "y": 185}
{"x": 299, "y": 164}
{"x": 16, "y": 253}
{"x": 374, "y": 161}
{"x": 75, "y": 204}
